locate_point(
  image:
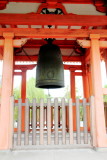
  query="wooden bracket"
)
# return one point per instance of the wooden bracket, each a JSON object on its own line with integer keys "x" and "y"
{"x": 87, "y": 43}
{"x": 16, "y": 43}
{"x": 51, "y": 5}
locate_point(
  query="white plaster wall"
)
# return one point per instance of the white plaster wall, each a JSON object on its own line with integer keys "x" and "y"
{"x": 81, "y": 9}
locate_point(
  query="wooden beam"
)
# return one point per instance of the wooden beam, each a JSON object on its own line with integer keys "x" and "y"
{"x": 61, "y": 1}
{"x": 16, "y": 43}
{"x": 53, "y": 33}
{"x": 73, "y": 67}
{"x": 35, "y": 58}
{"x": 78, "y": 74}
{"x": 32, "y": 43}
{"x": 17, "y": 73}
{"x": 87, "y": 44}
{"x": 21, "y": 67}
{"x": 47, "y": 19}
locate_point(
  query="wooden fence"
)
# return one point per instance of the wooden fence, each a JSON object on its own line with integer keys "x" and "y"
{"x": 51, "y": 123}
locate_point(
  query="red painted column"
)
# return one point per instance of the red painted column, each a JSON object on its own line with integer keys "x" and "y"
{"x": 23, "y": 96}
{"x": 85, "y": 83}
{"x": 100, "y": 137}
{"x": 89, "y": 81}
{"x": 86, "y": 91}
{"x": 6, "y": 93}
{"x": 73, "y": 95}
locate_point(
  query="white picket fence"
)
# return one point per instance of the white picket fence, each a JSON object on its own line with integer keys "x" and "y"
{"x": 51, "y": 124}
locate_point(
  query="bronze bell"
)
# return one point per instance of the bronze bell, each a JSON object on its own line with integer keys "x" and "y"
{"x": 50, "y": 71}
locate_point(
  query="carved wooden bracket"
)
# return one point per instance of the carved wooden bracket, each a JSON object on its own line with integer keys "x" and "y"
{"x": 51, "y": 5}
{"x": 100, "y": 6}
{"x": 3, "y": 4}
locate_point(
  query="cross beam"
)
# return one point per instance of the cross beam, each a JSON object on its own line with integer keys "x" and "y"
{"x": 53, "y": 33}
{"x": 35, "y": 58}
{"x": 46, "y": 19}
{"x": 50, "y": 1}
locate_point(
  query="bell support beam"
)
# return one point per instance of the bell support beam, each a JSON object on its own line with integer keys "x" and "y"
{"x": 32, "y": 43}
{"x": 6, "y": 93}
{"x": 47, "y": 19}
{"x": 100, "y": 138}
{"x": 53, "y": 32}
{"x": 35, "y": 58}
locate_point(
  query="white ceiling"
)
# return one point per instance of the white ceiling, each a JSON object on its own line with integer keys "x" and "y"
{"x": 80, "y": 9}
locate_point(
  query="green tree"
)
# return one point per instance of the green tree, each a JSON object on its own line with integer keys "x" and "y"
{"x": 17, "y": 93}
{"x": 33, "y": 92}
{"x": 105, "y": 96}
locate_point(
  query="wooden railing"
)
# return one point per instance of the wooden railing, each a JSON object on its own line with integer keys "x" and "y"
{"x": 51, "y": 124}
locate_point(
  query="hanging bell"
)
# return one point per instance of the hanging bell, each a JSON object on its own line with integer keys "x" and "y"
{"x": 50, "y": 71}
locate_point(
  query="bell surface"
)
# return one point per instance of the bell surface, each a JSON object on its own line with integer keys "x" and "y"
{"x": 50, "y": 70}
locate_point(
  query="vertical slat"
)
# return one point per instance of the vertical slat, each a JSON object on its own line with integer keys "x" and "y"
{"x": 67, "y": 121}
{"x": 34, "y": 122}
{"x": 51, "y": 116}
{"x": 41, "y": 121}
{"x": 78, "y": 121}
{"x": 49, "y": 120}
{"x": 63, "y": 122}
{"x": 12, "y": 121}
{"x": 27, "y": 122}
{"x": 19, "y": 122}
{"x": 105, "y": 113}
{"x": 46, "y": 116}
{"x": 92, "y": 121}
{"x": 59, "y": 116}
{"x": 70, "y": 121}
{"x": 36, "y": 117}
{"x": 85, "y": 121}
{"x": 56, "y": 119}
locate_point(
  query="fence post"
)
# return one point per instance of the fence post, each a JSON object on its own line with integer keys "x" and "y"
{"x": 41, "y": 121}
{"x": 92, "y": 122}
{"x": 70, "y": 121}
{"x": 11, "y": 122}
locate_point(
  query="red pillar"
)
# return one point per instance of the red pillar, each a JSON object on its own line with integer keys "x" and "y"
{"x": 100, "y": 137}
{"x": 23, "y": 96}
{"x": 73, "y": 95}
{"x": 86, "y": 91}
{"x": 6, "y": 93}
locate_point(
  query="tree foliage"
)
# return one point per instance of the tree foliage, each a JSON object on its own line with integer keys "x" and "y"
{"x": 32, "y": 91}
{"x": 105, "y": 96}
